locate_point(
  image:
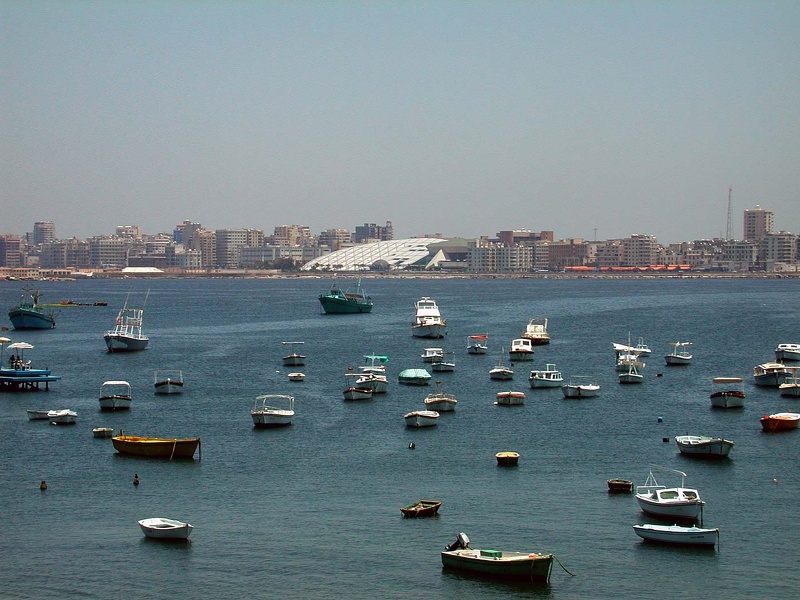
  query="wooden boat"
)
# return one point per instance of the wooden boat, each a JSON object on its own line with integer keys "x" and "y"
{"x": 526, "y": 566}
{"x": 727, "y": 392}
{"x": 501, "y": 372}
{"x": 352, "y": 300}
{"x": 374, "y": 381}
{"x": 439, "y": 400}
{"x": 352, "y": 391}
{"x": 115, "y": 395}
{"x": 168, "y": 381}
{"x": 29, "y": 314}
{"x": 580, "y": 386}
{"x": 153, "y": 447}
{"x": 703, "y": 446}
{"x": 127, "y": 335}
{"x": 507, "y": 458}
{"x": 521, "y": 350}
{"x": 770, "y": 374}
{"x": 780, "y": 421}
{"x": 631, "y": 374}
{"x": 165, "y": 529}
{"x": 294, "y": 358}
{"x": 536, "y": 332}
{"x": 421, "y": 418}
{"x": 423, "y": 508}
{"x": 620, "y": 486}
{"x": 676, "y": 534}
{"x": 673, "y": 503}
{"x": 265, "y": 415}
{"x": 510, "y": 398}
{"x": 103, "y": 432}
{"x": 679, "y": 355}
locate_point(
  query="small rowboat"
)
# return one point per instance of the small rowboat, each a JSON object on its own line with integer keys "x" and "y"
{"x": 525, "y": 566}
{"x": 676, "y": 534}
{"x": 620, "y": 486}
{"x": 507, "y": 459}
{"x": 165, "y": 529}
{"x": 155, "y": 447}
{"x": 510, "y": 398}
{"x": 423, "y": 508}
{"x": 103, "y": 432}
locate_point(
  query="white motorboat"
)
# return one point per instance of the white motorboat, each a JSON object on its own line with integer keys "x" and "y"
{"x": 631, "y": 375}
{"x": 168, "y": 381}
{"x": 38, "y": 415}
{"x": 521, "y": 350}
{"x": 379, "y": 384}
{"x": 550, "y": 377}
{"x": 791, "y": 387}
{"x": 428, "y": 321}
{"x": 273, "y": 410}
{"x": 580, "y": 386}
{"x": 680, "y": 354}
{"x": 165, "y": 529}
{"x": 510, "y": 398}
{"x": 421, "y": 418}
{"x": 770, "y": 374}
{"x": 536, "y": 332}
{"x": 787, "y": 352}
{"x": 672, "y": 503}
{"x": 446, "y": 363}
{"x": 727, "y": 392}
{"x": 103, "y": 432}
{"x": 430, "y": 354}
{"x": 62, "y": 416}
{"x": 294, "y": 358}
{"x": 476, "y": 344}
{"x": 354, "y": 391}
{"x": 439, "y": 400}
{"x": 677, "y": 534}
{"x": 501, "y": 372}
{"x": 296, "y": 376}
{"x": 115, "y": 395}
{"x": 127, "y": 335}
{"x": 703, "y": 446}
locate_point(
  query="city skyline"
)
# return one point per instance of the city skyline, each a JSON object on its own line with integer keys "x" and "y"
{"x": 590, "y": 120}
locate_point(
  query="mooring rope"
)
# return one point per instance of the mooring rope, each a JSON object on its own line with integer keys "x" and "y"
{"x": 562, "y": 566}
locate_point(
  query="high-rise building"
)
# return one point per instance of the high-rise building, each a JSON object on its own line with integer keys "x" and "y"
{"x": 43, "y": 232}
{"x": 757, "y": 223}
{"x": 10, "y": 251}
{"x": 372, "y": 232}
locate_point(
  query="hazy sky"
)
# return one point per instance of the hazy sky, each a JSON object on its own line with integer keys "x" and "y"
{"x": 460, "y": 118}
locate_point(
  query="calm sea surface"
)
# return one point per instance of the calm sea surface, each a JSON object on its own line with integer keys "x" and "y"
{"x": 312, "y": 510}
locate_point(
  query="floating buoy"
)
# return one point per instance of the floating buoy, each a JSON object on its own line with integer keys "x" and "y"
{"x": 135, "y": 479}
{"x": 659, "y": 374}
{"x": 773, "y": 481}
{"x": 411, "y": 446}
{"x": 43, "y": 485}
{"x": 660, "y": 419}
{"x": 666, "y": 439}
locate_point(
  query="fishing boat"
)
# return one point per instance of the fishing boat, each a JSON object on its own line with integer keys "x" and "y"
{"x": 127, "y": 335}
{"x": 168, "y": 381}
{"x": 770, "y": 374}
{"x": 501, "y": 372}
{"x": 680, "y": 354}
{"x": 509, "y": 398}
{"x": 580, "y": 386}
{"x": 430, "y": 354}
{"x": 677, "y": 534}
{"x": 703, "y": 446}
{"x": 378, "y": 383}
{"x": 414, "y": 377}
{"x": 428, "y": 321}
{"x": 785, "y": 352}
{"x": 631, "y": 375}
{"x": 439, "y": 400}
{"x": 476, "y": 344}
{"x": 422, "y": 508}
{"x": 672, "y": 503}
{"x": 294, "y": 358}
{"x": 549, "y": 377}
{"x": 63, "y": 416}
{"x": 526, "y": 566}
{"x": 791, "y": 387}
{"x": 352, "y": 300}
{"x": 521, "y": 350}
{"x": 421, "y": 418}
{"x": 165, "y": 529}
{"x": 266, "y": 412}
{"x": 153, "y": 447}
{"x": 115, "y": 395}
{"x": 619, "y": 486}
{"x": 353, "y": 391}
{"x": 727, "y": 392}
{"x": 29, "y": 314}
{"x": 536, "y": 332}
{"x": 780, "y": 421}
{"x": 507, "y": 458}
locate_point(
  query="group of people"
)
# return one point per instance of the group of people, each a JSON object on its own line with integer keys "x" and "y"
{"x": 15, "y": 362}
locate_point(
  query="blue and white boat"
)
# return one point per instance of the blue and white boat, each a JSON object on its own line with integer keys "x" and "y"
{"x": 29, "y": 314}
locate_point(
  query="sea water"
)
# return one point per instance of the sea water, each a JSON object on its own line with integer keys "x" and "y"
{"x": 312, "y": 510}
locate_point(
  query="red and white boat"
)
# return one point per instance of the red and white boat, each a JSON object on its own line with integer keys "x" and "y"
{"x": 780, "y": 421}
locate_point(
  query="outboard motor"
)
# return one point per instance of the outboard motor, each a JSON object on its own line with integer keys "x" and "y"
{"x": 462, "y": 542}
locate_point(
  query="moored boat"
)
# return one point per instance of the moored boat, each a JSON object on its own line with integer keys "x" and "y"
{"x": 103, "y": 432}
{"x": 115, "y": 395}
{"x": 727, "y": 392}
{"x": 168, "y": 381}
{"x": 510, "y": 398}
{"x": 440, "y": 401}
{"x": 428, "y": 321}
{"x": 631, "y": 374}
{"x": 421, "y": 418}
{"x": 352, "y": 300}
{"x": 507, "y": 458}
{"x": 526, "y": 566}
{"x": 580, "y": 386}
{"x": 770, "y": 374}
{"x": 374, "y": 381}
{"x": 785, "y": 352}
{"x": 677, "y": 534}
{"x": 619, "y": 486}
{"x": 414, "y": 377}
{"x": 476, "y": 344}
{"x": 38, "y": 415}
{"x": 791, "y": 387}
{"x": 422, "y": 508}
{"x": 153, "y": 447}
{"x": 521, "y": 350}
{"x": 165, "y": 529}
{"x": 536, "y": 332}
{"x": 444, "y": 364}
{"x": 29, "y": 314}
{"x": 703, "y": 446}
{"x": 673, "y": 503}
{"x": 549, "y": 377}
{"x": 294, "y": 358}
{"x": 354, "y": 391}
{"x": 296, "y": 376}
{"x": 780, "y": 421}
{"x": 266, "y": 412}
{"x": 501, "y": 372}
{"x": 430, "y": 354}
{"x": 680, "y": 354}
{"x": 62, "y": 416}
{"x": 127, "y": 335}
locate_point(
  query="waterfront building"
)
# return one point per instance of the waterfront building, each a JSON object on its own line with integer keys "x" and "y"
{"x": 757, "y": 223}
{"x": 63, "y": 254}
{"x": 43, "y": 232}
{"x": 639, "y": 250}
{"x": 11, "y": 254}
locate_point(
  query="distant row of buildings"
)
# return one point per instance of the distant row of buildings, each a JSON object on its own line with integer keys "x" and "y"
{"x": 191, "y": 247}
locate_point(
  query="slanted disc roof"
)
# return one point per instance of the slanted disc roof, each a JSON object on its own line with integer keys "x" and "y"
{"x": 398, "y": 254}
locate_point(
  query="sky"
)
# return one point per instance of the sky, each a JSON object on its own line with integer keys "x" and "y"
{"x": 590, "y": 119}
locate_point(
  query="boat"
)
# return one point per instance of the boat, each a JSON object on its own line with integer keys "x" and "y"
{"x": 294, "y": 358}
{"x": 677, "y": 534}
{"x": 165, "y": 529}
{"x": 550, "y": 377}
{"x": 446, "y": 363}
{"x": 62, "y": 416}
{"x": 536, "y": 332}
{"x": 374, "y": 363}
{"x": 168, "y": 381}
{"x": 115, "y": 395}
{"x": 521, "y": 350}
{"x": 791, "y": 387}
{"x": 527, "y": 566}
{"x": 102, "y": 432}
{"x": 266, "y": 412}
{"x": 770, "y": 374}
{"x": 428, "y": 322}
{"x": 38, "y": 415}
{"x": 153, "y": 447}
{"x": 625, "y": 355}
{"x": 703, "y": 446}
{"x": 29, "y": 314}
{"x": 641, "y": 348}
{"x": 727, "y": 392}
{"x": 127, "y": 335}
{"x": 352, "y": 391}
{"x": 672, "y": 503}
{"x": 580, "y": 386}
{"x": 510, "y": 398}
{"x": 374, "y": 381}
{"x": 430, "y": 354}
{"x": 619, "y": 486}
{"x": 296, "y": 376}
{"x": 679, "y": 355}
{"x": 352, "y": 300}
{"x": 631, "y": 375}
{"x": 476, "y": 344}
{"x": 423, "y": 508}
{"x": 780, "y": 421}
{"x": 501, "y": 372}
{"x": 787, "y": 352}
{"x": 414, "y": 377}
{"x": 507, "y": 458}
{"x": 421, "y": 418}
{"x": 440, "y": 401}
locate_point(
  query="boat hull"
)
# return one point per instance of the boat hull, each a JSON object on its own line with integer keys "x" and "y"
{"x": 30, "y": 319}
{"x": 787, "y": 352}
{"x": 62, "y": 417}
{"x": 545, "y": 379}
{"x": 421, "y": 418}
{"x": 507, "y": 459}
{"x": 780, "y": 422}
{"x": 112, "y": 403}
{"x": 509, "y": 565}
{"x": 675, "y": 534}
{"x": 333, "y": 305}
{"x": 156, "y": 447}
{"x": 684, "y": 510}
{"x": 268, "y": 420}
{"x": 440, "y": 404}
{"x": 125, "y": 343}
{"x": 703, "y": 447}
{"x": 730, "y": 399}
{"x": 509, "y": 398}
{"x": 580, "y": 391}
{"x": 423, "y": 508}
{"x": 790, "y": 390}
{"x": 165, "y": 529}
{"x": 102, "y": 432}
{"x": 432, "y": 330}
{"x": 620, "y": 486}
{"x": 169, "y": 386}
{"x": 677, "y": 360}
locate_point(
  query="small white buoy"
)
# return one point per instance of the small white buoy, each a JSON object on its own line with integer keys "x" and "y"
{"x": 411, "y": 446}
{"x": 660, "y": 419}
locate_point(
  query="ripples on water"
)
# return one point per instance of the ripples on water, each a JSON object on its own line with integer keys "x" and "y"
{"x": 313, "y": 510}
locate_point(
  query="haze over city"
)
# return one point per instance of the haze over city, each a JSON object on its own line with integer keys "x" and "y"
{"x": 593, "y": 120}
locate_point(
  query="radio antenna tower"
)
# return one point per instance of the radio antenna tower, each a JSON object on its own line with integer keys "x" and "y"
{"x": 728, "y": 232}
